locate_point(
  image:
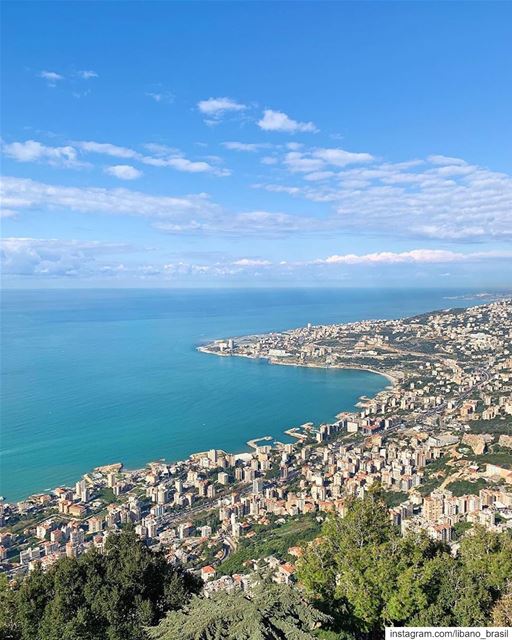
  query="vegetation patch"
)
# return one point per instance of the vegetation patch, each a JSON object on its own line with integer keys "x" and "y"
{"x": 500, "y": 459}
{"x": 435, "y": 473}
{"x": 394, "y": 498}
{"x": 271, "y": 540}
{"x": 496, "y": 426}
{"x": 466, "y": 487}
{"x": 112, "y": 595}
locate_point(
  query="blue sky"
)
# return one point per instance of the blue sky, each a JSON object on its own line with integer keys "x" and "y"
{"x": 256, "y": 144}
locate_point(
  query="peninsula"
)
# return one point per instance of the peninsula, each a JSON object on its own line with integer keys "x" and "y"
{"x": 437, "y": 440}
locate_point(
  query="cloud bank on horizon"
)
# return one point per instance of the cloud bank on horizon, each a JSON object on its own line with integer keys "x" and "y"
{"x": 235, "y": 188}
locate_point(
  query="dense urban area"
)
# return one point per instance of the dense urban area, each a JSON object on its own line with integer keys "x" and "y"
{"x": 434, "y": 447}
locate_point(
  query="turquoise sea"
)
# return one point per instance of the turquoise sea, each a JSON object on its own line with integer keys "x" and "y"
{"x": 91, "y": 377}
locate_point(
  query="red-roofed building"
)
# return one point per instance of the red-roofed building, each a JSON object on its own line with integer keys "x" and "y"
{"x": 285, "y": 573}
{"x": 207, "y": 573}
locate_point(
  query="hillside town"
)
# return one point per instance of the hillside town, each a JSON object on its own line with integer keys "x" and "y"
{"x": 437, "y": 442}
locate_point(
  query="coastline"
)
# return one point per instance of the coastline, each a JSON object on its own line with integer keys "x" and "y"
{"x": 250, "y": 443}
{"x": 45, "y": 475}
{"x": 385, "y": 374}
{"x": 394, "y": 378}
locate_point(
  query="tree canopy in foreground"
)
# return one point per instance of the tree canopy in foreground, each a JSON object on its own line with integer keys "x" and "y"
{"x": 98, "y": 596}
{"x": 358, "y": 577}
{"x": 270, "y": 612}
{"x": 366, "y": 575}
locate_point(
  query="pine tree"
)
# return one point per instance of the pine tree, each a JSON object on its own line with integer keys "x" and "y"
{"x": 108, "y": 596}
{"x": 367, "y": 576}
{"x": 269, "y": 612}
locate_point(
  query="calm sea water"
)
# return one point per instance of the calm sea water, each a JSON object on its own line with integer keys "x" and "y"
{"x": 91, "y": 377}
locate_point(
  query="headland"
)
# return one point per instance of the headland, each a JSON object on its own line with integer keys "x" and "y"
{"x": 438, "y": 440}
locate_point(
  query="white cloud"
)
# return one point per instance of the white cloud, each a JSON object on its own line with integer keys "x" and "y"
{"x": 161, "y": 96}
{"x": 163, "y": 157}
{"x": 53, "y": 257}
{"x": 318, "y": 175}
{"x": 107, "y": 149}
{"x": 260, "y": 223}
{"x": 21, "y": 193}
{"x": 52, "y": 77}
{"x": 73, "y": 259}
{"x": 181, "y": 163}
{"x": 340, "y": 157}
{"x": 318, "y": 159}
{"x": 388, "y": 257}
{"x": 158, "y": 149}
{"x": 416, "y": 256}
{"x": 45, "y": 258}
{"x": 278, "y": 188}
{"x": 439, "y": 159}
{"x": 267, "y": 222}
{"x": 279, "y": 121}
{"x": 250, "y": 147}
{"x": 217, "y": 107}
{"x": 414, "y": 198}
{"x": 87, "y": 74}
{"x": 251, "y": 262}
{"x": 454, "y": 170}
{"x": 33, "y": 151}
{"x": 123, "y": 172}
{"x": 298, "y": 162}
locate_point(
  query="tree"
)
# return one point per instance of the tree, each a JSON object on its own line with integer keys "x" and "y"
{"x": 502, "y": 612}
{"x": 351, "y": 565}
{"x": 367, "y": 576}
{"x": 486, "y": 567}
{"x": 340, "y": 567}
{"x": 8, "y": 620}
{"x": 423, "y": 589}
{"x": 35, "y": 592}
{"x": 269, "y": 612}
{"x": 112, "y": 595}
{"x": 435, "y": 586}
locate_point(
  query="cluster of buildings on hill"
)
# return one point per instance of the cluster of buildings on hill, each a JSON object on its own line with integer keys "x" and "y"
{"x": 423, "y": 440}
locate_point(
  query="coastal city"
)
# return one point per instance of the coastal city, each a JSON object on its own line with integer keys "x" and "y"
{"x": 256, "y": 320}
{"x": 437, "y": 442}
